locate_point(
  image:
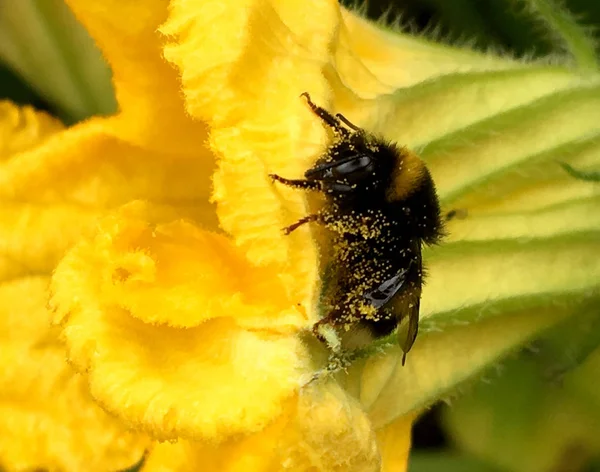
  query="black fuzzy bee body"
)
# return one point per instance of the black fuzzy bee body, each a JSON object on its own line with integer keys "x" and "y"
{"x": 380, "y": 208}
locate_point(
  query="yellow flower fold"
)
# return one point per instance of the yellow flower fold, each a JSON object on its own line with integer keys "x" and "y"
{"x": 150, "y": 109}
{"x": 185, "y": 308}
{"x": 23, "y": 128}
{"x": 200, "y": 373}
{"x": 48, "y": 417}
{"x": 322, "y": 429}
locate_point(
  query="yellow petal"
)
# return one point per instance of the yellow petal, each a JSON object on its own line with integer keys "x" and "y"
{"x": 53, "y": 193}
{"x": 212, "y": 380}
{"x": 88, "y": 166}
{"x": 507, "y": 141}
{"x": 440, "y": 361}
{"x": 47, "y": 417}
{"x": 247, "y": 87}
{"x": 335, "y": 426}
{"x": 372, "y": 66}
{"x": 32, "y": 237}
{"x": 151, "y": 111}
{"x": 373, "y": 60}
{"x": 576, "y": 216}
{"x": 479, "y": 95}
{"x": 508, "y": 275}
{"x": 322, "y": 429}
{"x": 170, "y": 272}
{"x": 394, "y": 443}
{"x": 23, "y": 128}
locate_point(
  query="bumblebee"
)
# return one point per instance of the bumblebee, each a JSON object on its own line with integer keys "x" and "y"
{"x": 380, "y": 208}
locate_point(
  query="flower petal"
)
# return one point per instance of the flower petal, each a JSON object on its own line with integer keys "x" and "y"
{"x": 323, "y": 429}
{"x": 503, "y": 275}
{"x": 88, "y": 166}
{"x": 374, "y": 60}
{"x": 502, "y": 144}
{"x": 440, "y": 361}
{"x": 394, "y": 444}
{"x": 164, "y": 270}
{"x": 479, "y": 95}
{"x": 146, "y": 86}
{"x": 47, "y": 417}
{"x": 32, "y": 237}
{"x": 210, "y": 381}
{"x": 53, "y": 193}
{"x": 492, "y": 140}
{"x": 23, "y": 127}
{"x": 243, "y": 69}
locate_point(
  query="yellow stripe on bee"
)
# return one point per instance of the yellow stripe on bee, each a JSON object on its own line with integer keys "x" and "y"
{"x": 407, "y": 176}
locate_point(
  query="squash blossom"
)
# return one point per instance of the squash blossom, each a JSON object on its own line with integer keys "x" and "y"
{"x": 183, "y": 307}
{"x": 48, "y": 417}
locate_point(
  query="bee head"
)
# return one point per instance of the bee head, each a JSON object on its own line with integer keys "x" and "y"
{"x": 353, "y": 165}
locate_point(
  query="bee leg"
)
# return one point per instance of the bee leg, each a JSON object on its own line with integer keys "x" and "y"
{"x": 326, "y": 117}
{"x": 337, "y": 361}
{"x": 297, "y": 183}
{"x": 325, "y": 332}
{"x": 307, "y": 219}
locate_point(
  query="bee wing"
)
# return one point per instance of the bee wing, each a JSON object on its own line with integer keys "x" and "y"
{"x": 387, "y": 290}
{"x": 406, "y": 305}
{"x": 408, "y": 328}
{"x": 401, "y": 293}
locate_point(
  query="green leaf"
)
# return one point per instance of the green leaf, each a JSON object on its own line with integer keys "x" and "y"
{"x": 43, "y": 43}
{"x": 14, "y": 89}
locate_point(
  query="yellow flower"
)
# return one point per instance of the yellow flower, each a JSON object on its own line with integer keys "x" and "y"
{"x": 47, "y": 416}
{"x": 186, "y": 309}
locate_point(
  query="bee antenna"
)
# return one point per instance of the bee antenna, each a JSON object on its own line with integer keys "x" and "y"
{"x": 328, "y": 118}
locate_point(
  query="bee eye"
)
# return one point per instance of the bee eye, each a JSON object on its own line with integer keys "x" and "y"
{"x": 358, "y": 164}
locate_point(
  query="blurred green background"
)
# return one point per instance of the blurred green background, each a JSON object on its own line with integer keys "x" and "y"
{"x": 47, "y": 60}
{"x": 40, "y": 41}
{"x": 503, "y": 25}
